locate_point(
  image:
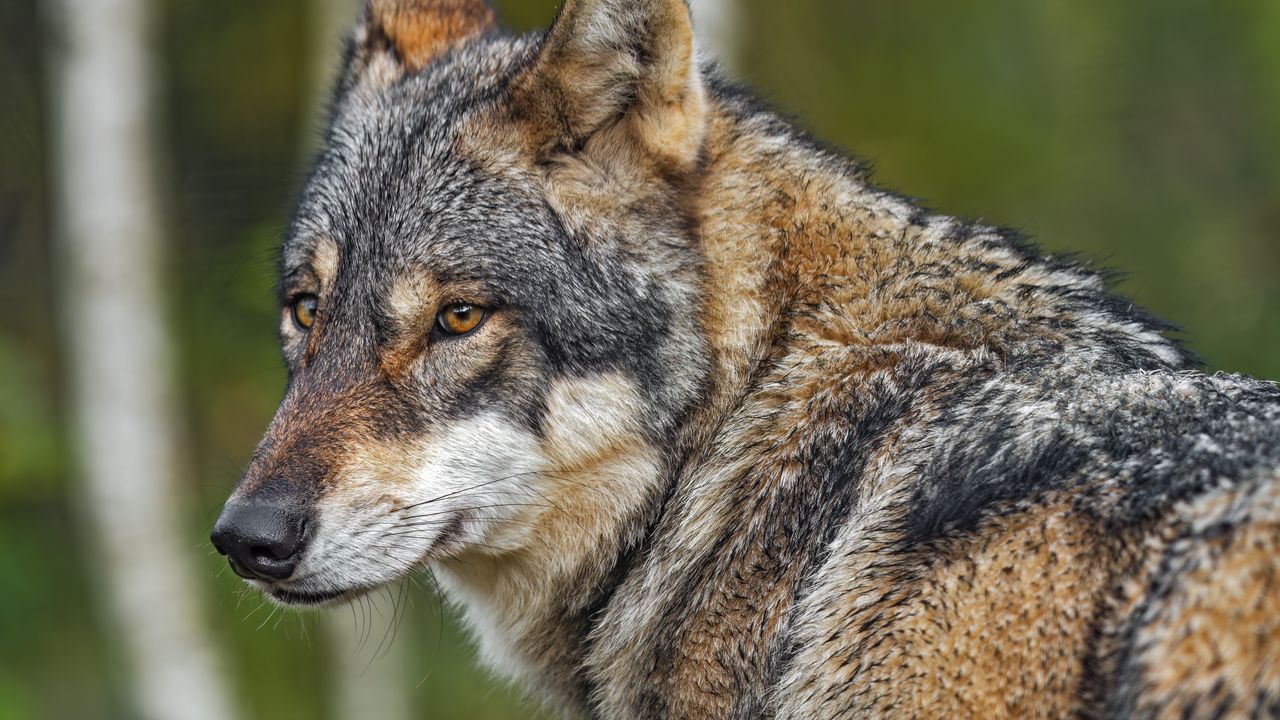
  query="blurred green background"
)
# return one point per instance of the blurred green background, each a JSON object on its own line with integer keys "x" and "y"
{"x": 1143, "y": 133}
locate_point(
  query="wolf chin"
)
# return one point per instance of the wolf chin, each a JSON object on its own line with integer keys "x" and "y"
{"x": 691, "y": 420}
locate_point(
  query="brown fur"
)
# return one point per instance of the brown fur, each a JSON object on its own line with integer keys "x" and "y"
{"x": 420, "y": 31}
{"x": 1222, "y": 613}
{"x": 994, "y": 626}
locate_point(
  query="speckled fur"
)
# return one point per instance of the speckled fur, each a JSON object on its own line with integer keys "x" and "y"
{"x": 788, "y": 445}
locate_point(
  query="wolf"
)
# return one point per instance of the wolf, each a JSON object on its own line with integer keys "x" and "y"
{"x": 692, "y": 420}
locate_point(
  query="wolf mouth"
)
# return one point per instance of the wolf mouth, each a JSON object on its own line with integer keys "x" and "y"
{"x": 298, "y": 597}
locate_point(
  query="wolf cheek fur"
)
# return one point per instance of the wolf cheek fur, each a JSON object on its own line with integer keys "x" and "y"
{"x": 739, "y": 434}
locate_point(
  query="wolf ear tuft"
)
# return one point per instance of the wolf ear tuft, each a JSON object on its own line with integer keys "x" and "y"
{"x": 625, "y": 66}
{"x": 413, "y": 33}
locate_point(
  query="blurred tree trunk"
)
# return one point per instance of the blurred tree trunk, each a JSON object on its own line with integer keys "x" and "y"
{"x": 370, "y": 664}
{"x": 118, "y": 359}
{"x": 329, "y": 21}
{"x": 372, "y": 678}
{"x": 718, "y": 25}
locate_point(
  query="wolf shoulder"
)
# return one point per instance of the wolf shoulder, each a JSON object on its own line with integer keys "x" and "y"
{"x": 1060, "y": 543}
{"x": 1126, "y": 445}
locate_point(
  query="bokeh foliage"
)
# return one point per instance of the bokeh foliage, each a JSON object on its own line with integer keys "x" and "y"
{"x": 1145, "y": 134}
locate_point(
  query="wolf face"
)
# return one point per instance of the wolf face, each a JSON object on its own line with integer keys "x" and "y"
{"x": 488, "y": 292}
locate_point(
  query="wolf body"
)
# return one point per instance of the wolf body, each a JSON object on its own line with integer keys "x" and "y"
{"x": 739, "y": 435}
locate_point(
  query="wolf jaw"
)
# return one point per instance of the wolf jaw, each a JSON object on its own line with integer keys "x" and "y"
{"x": 720, "y": 375}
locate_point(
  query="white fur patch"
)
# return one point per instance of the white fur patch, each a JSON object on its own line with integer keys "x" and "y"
{"x": 599, "y": 472}
{"x": 383, "y": 519}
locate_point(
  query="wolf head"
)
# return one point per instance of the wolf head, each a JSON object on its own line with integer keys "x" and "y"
{"x": 489, "y": 297}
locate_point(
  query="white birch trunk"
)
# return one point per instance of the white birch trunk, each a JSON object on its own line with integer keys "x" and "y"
{"x": 370, "y": 664}
{"x": 328, "y": 22}
{"x": 717, "y": 24}
{"x": 118, "y": 358}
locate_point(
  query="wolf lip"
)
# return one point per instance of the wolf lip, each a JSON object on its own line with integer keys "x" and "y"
{"x": 296, "y": 597}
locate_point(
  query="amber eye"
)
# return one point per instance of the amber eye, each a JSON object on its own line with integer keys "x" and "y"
{"x": 460, "y": 318}
{"x": 304, "y": 311}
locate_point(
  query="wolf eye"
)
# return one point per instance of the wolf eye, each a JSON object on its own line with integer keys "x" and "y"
{"x": 460, "y": 318}
{"x": 304, "y": 311}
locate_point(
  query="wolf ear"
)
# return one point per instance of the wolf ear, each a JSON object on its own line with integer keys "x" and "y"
{"x": 412, "y": 33}
{"x": 625, "y": 66}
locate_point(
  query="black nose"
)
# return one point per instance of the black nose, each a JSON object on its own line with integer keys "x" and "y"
{"x": 261, "y": 541}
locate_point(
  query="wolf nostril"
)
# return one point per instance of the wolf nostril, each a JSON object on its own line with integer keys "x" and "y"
{"x": 261, "y": 541}
{"x": 217, "y": 543}
{"x": 282, "y": 549}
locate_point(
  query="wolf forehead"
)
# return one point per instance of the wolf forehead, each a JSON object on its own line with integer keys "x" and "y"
{"x": 399, "y": 176}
